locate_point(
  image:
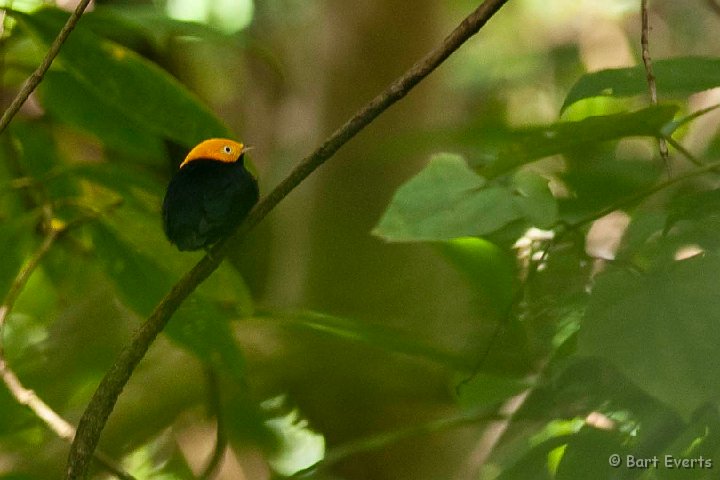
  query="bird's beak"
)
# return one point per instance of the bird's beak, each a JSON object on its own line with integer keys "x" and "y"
{"x": 246, "y": 148}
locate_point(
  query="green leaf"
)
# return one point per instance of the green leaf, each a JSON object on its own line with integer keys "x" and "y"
{"x": 138, "y": 25}
{"x": 448, "y": 200}
{"x": 489, "y": 269}
{"x": 39, "y": 157}
{"x": 586, "y": 454}
{"x": 563, "y": 137}
{"x": 596, "y": 183}
{"x": 15, "y": 238}
{"x": 376, "y": 336}
{"x": 484, "y": 390}
{"x": 535, "y": 464}
{"x": 660, "y": 329}
{"x": 298, "y": 447}
{"x": 66, "y": 99}
{"x": 141, "y": 90}
{"x": 535, "y": 199}
{"x": 445, "y": 201}
{"x": 672, "y": 77}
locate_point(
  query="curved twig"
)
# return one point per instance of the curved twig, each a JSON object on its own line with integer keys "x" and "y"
{"x": 36, "y": 77}
{"x": 103, "y": 401}
{"x": 24, "y": 396}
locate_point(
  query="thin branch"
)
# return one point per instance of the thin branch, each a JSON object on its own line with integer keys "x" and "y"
{"x": 103, "y": 401}
{"x": 23, "y": 395}
{"x": 36, "y": 77}
{"x": 645, "y": 44}
{"x": 20, "y": 281}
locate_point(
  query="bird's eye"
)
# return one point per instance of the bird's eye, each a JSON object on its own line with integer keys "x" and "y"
{"x": 227, "y": 149}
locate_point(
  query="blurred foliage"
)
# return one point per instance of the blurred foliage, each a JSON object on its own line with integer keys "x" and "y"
{"x": 497, "y": 279}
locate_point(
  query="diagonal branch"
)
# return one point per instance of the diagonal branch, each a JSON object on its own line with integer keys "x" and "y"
{"x": 103, "y": 401}
{"x": 36, "y": 77}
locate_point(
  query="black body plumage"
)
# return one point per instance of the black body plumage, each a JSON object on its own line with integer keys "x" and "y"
{"x": 206, "y": 200}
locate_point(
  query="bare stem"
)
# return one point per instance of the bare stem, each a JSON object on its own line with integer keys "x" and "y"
{"x": 103, "y": 401}
{"x": 652, "y": 87}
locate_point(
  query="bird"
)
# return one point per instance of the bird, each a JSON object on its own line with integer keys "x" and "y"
{"x": 209, "y": 195}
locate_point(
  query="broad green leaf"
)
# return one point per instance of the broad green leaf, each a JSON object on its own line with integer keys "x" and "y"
{"x": 445, "y": 201}
{"x": 660, "y": 328}
{"x": 563, "y": 137}
{"x": 449, "y": 200}
{"x": 144, "y": 92}
{"x": 66, "y": 99}
{"x": 373, "y": 335}
{"x": 675, "y": 76}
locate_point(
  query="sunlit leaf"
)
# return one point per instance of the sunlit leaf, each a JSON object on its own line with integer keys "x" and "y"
{"x": 152, "y": 461}
{"x": 144, "y": 92}
{"x": 672, "y": 77}
{"x": 134, "y": 24}
{"x": 299, "y": 447}
{"x": 488, "y": 268}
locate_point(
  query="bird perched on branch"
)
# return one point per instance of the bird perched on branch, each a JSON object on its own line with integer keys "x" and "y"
{"x": 210, "y": 194}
